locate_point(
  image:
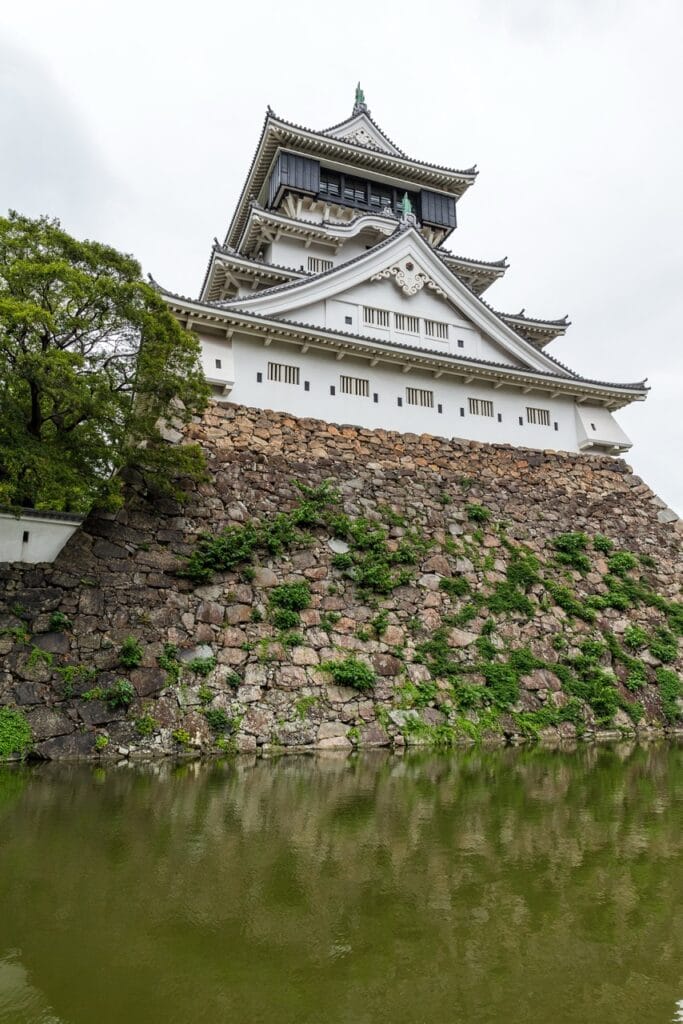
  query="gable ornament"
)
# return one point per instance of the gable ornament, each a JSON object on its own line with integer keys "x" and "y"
{"x": 409, "y": 277}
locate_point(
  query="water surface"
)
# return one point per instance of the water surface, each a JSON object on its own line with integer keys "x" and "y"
{"x": 486, "y": 886}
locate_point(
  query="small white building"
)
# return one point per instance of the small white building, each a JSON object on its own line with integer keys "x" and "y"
{"x": 333, "y": 296}
{"x": 35, "y": 536}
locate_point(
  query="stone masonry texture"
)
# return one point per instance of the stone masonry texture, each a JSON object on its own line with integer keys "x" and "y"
{"x": 118, "y": 578}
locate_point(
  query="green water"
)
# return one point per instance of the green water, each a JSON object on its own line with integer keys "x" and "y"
{"x": 501, "y": 886}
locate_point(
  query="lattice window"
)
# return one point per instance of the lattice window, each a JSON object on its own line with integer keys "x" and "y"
{"x": 317, "y": 266}
{"x": 480, "y": 407}
{"x": 283, "y": 373}
{"x": 436, "y": 329}
{"x": 419, "y": 396}
{"x": 538, "y": 416}
{"x": 407, "y": 324}
{"x": 354, "y": 386}
{"x": 375, "y": 317}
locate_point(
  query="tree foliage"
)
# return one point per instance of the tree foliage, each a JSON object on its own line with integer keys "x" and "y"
{"x": 91, "y": 364}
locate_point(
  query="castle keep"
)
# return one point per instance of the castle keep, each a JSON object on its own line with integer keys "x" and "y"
{"x": 334, "y": 295}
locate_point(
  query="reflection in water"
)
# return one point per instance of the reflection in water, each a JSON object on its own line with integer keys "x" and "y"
{"x": 476, "y": 887}
{"x": 19, "y": 1000}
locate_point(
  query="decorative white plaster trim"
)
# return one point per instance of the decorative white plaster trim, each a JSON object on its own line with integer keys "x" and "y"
{"x": 410, "y": 278}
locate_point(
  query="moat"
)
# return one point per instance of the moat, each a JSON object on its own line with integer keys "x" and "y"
{"x": 480, "y": 886}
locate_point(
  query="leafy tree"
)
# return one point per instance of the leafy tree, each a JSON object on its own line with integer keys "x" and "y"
{"x": 91, "y": 364}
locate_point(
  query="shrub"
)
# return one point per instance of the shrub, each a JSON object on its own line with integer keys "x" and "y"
{"x": 502, "y": 683}
{"x": 145, "y": 725}
{"x": 478, "y": 513}
{"x": 168, "y": 660}
{"x": 285, "y": 618}
{"x": 457, "y": 586}
{"x": 507, "y": 598}
{"x": 217, "y": 718}
{"x": 303, "y": 706}
{"x": 380, "y": 623}
{"x": 120, "y": 694}
{"x": 101, "y": 742}
{"x": 522, "y": 570}
{"x": 295, "y": 596}
{"x": 664, "y": 645}
{"x": 670, "y": 692}
{"x": 602, "y": 543}
{"x": 621, "y": 563}
{"x": 16, "y": 737}
{"x": 130, "y": 654}
{"x": 570, "y": 548}
{"x": 350, "y": 671}
{"x": 637, "y": 676}
{"x": 635, "y": 637}
{"x": 202, "y": 666}
{"x": 181, "y": 737}
{"x": 58, "y": 622}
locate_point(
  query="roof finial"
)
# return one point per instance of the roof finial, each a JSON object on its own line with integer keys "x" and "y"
{"x": 360, "y": 106}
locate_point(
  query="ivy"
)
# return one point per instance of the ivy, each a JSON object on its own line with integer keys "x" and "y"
{"x": 670, "y": 693}
{"x": 571, "y": 550}
{"x": 16, "y": 738}
{"x": 350, "y": 671}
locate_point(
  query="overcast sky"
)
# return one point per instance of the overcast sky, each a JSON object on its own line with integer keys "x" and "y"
{"x": 135, "y": 124}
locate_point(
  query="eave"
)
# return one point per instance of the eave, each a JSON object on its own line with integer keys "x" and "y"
{"x": 278, "y": 134}
{"x": 307, "y": 336}
{"x": 226, "y": 269}
{"x": 266, "y": 225}
{"x": 538, "y": 332}
{"x": 478, "y": 274}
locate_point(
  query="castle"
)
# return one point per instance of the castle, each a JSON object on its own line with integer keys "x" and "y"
{"x": 334, "y": 296}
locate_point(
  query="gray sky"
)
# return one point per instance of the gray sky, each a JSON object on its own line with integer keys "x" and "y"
{"x": 135, "y": 123}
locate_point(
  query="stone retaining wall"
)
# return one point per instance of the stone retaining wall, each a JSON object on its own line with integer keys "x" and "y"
{"x": 117, "y": 578}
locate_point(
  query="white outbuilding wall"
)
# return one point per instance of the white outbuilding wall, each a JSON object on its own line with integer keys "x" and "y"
{"x": 32, "y": 537}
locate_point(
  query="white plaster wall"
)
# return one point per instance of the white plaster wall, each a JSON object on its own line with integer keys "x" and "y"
{"x": 214, "y": 347}
{"x": 292, "y": 252}
{"x": 46, "y": 538}
{"x": 333, "y": 313}
{"x": 596, "y": 426}
{"x": 321, "y": 370}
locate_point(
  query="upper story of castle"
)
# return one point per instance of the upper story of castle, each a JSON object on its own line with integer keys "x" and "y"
{"x": 334, "y": 294}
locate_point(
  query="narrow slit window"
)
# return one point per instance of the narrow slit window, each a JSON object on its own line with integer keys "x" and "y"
{"x": 407, "y": 324}
{"x": 420, "y": 396}
{"x": 480, "y": 407}
{"x": 436, "y": 329}
{"x": 318, "y": 266}
{"x": 354, "y": 386}
{"x": 283, "y": 373}
{"x": 541, "y": 417}
{"x": 374, "y": 317}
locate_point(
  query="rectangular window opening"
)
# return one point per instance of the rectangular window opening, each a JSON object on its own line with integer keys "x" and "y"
{"x": 283, "y": 373}
{"x": 436, "y": 329}
{"x": 420, "y": 396}
{"x": 354, "y": 386}
{"x": 318, "y": 266}
{"x": 480, "y": 406}
{"x": 541, "y": 417}
{"x": 374, "y": 317}
{"x": 218, "y": 364}
{"x": 24, "y": 539}
{"x": 407, "y": 324}
{"x": 307, "y": 385}
{"x": 461, "y": 343}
